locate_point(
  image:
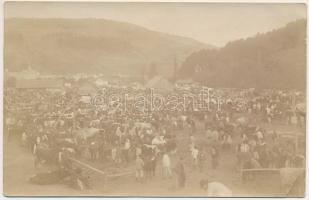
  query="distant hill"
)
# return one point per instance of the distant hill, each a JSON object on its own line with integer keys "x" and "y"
{"x": 275, "y": 59}
{"x": 66, "y": 46}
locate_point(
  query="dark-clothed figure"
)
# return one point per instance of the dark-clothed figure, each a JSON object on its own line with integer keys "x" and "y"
{"x": 180, "y": 174}
{"x": 214, "y": 157}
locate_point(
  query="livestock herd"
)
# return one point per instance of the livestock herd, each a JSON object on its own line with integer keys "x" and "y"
{"x": 56, "y": 132}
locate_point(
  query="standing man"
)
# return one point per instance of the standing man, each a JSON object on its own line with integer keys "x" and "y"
{"x": 180, "y": 174}
{"x": 139, "y": 172}
{"x": 201, "y": 158}
{"x": 166, "y": 163}
{"x": 126, "y": 149}
{"x": 214, "y": 157}
{"x": 195, "y": 153}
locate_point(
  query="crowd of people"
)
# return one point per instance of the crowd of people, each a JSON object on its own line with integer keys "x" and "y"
{"x": 56, "y": 126}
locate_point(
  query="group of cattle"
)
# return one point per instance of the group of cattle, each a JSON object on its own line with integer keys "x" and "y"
{"x": 92, "y": 143}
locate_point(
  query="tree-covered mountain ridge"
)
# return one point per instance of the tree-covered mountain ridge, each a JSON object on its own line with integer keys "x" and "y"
{"x": 276, "y": 59}
{"x": 68, "y": 46}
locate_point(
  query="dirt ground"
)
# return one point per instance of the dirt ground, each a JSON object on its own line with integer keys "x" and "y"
{"x": 18, "y": 167}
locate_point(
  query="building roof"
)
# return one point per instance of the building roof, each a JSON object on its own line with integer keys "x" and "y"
{"x": 87, "y": 88}
{"x": 160, "y": 83}
{"x": 185, "y": 81}
{"x": 39, "y": 84}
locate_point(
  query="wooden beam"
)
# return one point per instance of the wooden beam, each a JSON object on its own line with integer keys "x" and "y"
{"x": 121, "y": 174}
{"x": 260, "y": 169}
{"x": 100, "y": 171}
{"x": 268, "y": 169}
{"x": 88, "y": 166}
{"x": 93, "y": 169}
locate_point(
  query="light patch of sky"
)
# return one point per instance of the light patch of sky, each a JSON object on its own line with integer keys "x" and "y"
{"x": 210, "y": 23}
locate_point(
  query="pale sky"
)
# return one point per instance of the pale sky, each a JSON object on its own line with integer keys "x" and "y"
{"x": 214, "y": 24}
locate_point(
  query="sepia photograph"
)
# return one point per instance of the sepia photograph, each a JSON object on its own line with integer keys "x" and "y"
{"x": 154, "y": 99}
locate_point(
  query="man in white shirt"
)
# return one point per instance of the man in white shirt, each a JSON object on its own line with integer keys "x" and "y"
{"x": 119, "y": 132}
{"x": 126, "y": 149}
{"x": 215, "y": 189}
{"x": 24, "y": 139}
{"x": 244, "y": 147}
{"x": 166, "y": 162}
{"x": 195, "y": 153}
{"x": 259, "y": 135}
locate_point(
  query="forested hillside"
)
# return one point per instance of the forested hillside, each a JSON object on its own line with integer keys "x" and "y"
{"x": 275, "y": 59}
{"x": 68, "y": 46}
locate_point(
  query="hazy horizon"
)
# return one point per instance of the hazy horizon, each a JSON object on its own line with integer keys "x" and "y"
{"x": 211, "y": 23}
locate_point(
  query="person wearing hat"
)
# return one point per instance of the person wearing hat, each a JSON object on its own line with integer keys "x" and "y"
{"x": 215, "y": 189}
{"x": 180, "y": 173}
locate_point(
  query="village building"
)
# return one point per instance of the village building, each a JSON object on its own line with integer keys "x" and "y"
{"x": 28, "y": 73}
{"x": 49, "y": 84}
{"x": 161, "y": 84}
